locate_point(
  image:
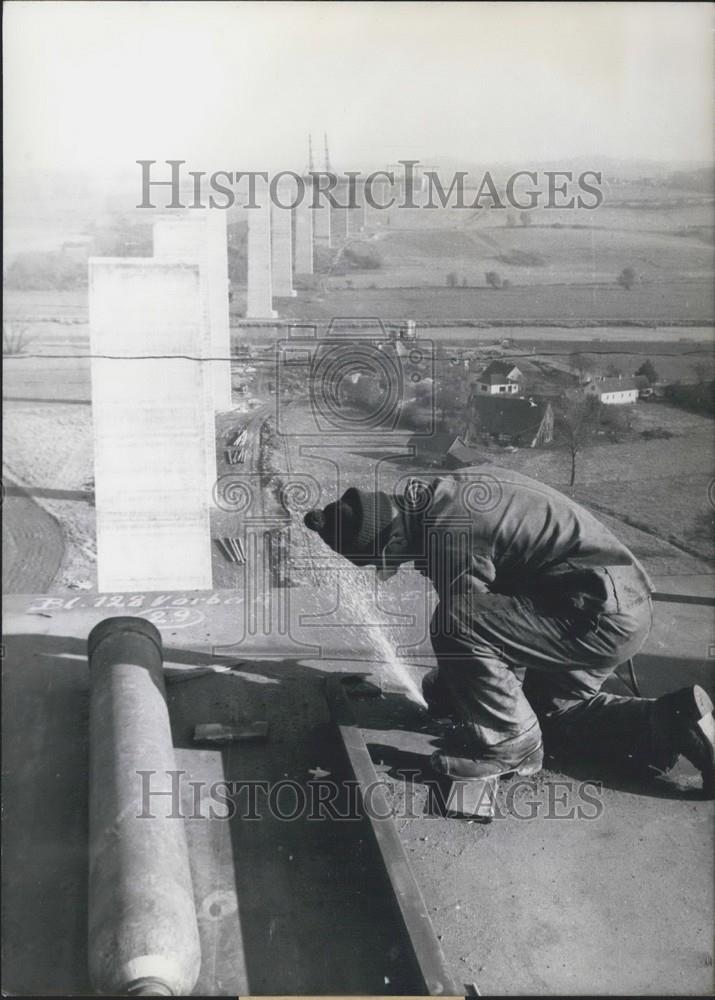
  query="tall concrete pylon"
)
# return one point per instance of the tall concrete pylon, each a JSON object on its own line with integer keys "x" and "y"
{"x": 322, "y": 230}
{"x": 304, "y": 234}
{"x": 323, "y": 210}
{"x": 201, "y": 237}
{"x": 153, "y": 420}
{"x": 339, "y": 217}
{"x": 282, "y": 239}
{"x": 356, "y": 220}
{"x": 355, "y": 196}
{"x": 259, "y": 297}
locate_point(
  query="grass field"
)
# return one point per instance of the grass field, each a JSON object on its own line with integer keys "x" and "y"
{"x": 560, "y": 255}
{"x": 564, "y": 266}
{"x": 662, "y": 486}
{"x": 658, "y": 302}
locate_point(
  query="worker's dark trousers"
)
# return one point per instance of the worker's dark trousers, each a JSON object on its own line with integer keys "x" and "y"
{"x": 506, "y": 666}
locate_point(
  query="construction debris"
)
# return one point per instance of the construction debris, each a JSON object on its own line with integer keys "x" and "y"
{"x": 235, "y": 451}
{"x": 317, "y": 773}
{"x": 474, "y": 798}
{"x": 219, "y": 733}
{"x": 179, "y": 676}
{"x": 232, "y": 548}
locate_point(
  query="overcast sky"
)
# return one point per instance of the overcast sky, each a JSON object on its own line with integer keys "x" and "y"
{"x": 239, "y": 85}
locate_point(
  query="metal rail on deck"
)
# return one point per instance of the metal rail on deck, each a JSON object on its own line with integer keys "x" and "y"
{"x": 427, "y": 949}
{"x": 707, "y": 602}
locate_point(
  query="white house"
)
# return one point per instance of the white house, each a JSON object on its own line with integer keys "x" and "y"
{"x": 613, "y": 391}
{"x": 500, "y": 378}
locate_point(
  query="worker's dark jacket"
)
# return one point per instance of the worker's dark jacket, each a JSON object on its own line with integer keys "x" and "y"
{"x": 489, "y": 529}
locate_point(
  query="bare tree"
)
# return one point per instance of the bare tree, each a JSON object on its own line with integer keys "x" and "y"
{"x": 627, "y": 278}
{"x": 579, "y": 363}
{"x": 15, "y": 338}
{"x": 576, "y": 425}
{"x": 493, "y": 279}
{"x": 648, "y": 370}
{"x": 617, "y": 421}
{"x": 701, "y": 371}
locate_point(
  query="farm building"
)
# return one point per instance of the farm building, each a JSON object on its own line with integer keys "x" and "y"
{"x": 460, "y": 454}
{"x": 498, "y": 378}
{"x": 430, "y": 449}
{"x": 521, "y": 422}
{"x": 613, "y": 391}
{"x": 556, "y": 373}
{"x": 444, "y": 450}
{"x": 645, "y": 389}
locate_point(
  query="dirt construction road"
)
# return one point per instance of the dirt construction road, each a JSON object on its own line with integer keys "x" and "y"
{"x": 32, "y": 541}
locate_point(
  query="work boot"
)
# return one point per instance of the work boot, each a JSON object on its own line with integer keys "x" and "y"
{"x": 683, "y": 723}
{"x": 521, "y": 755}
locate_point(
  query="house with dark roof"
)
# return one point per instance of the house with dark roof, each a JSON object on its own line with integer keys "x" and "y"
{"x": 460, "y": 454}
{"x": 521, "y": 422}
{"x": 613, "y": 391}
{"x": 430, "y": 449}
{"x": 499, "y": 378}
{"x": 444, "y": 450}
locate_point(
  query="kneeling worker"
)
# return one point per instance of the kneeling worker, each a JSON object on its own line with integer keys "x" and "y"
{"x": 538, "y": 605}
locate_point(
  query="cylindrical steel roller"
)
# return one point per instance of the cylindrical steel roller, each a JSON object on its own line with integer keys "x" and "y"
{"x": 143, "y": 935}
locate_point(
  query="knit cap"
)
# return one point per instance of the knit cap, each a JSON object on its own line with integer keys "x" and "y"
{"x": 355, "y": 525}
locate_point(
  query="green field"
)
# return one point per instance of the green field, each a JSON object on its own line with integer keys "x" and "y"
{"x": 657, "y": 302}
{"x": 659, "y": 487}
{"x": 564, "y": 266}
{"x": 535, "y": 255}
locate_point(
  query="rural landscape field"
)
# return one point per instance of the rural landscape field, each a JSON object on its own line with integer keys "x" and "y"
{"x": 545, "y": 293}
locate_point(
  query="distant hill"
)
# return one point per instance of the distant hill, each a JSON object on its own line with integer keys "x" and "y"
{"x": 702, "y": 180}
{"x": 694, "y": 174}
